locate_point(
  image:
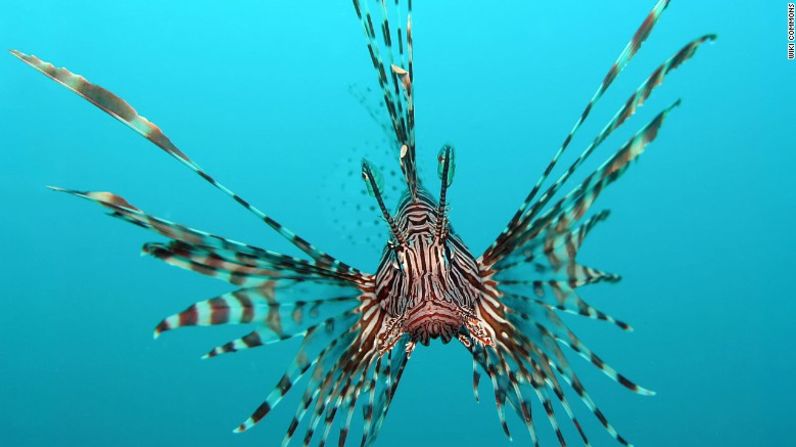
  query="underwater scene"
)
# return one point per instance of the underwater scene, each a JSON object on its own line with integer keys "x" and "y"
{"x": 395, "y": 222}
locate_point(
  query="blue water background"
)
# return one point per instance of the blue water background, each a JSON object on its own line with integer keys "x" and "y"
{"x": 257, "y": 93}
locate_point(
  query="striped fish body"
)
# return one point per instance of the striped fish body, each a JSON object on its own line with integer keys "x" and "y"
{"x": 430, "y": 285}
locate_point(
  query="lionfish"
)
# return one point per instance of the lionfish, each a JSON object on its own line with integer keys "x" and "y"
{"x": 358, "y": 329}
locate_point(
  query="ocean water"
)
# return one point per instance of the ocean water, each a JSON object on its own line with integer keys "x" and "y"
{"x": 258, "y": 93}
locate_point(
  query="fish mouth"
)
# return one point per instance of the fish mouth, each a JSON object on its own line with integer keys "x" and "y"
{"x": 433, "y": 319}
